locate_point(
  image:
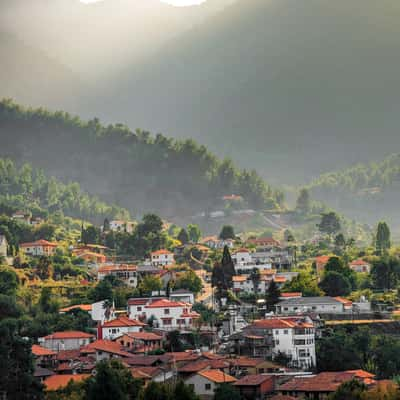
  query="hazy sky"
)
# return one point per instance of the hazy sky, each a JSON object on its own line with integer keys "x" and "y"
{"x": 173, "y": 2}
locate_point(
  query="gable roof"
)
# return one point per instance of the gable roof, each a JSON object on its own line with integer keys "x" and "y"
{"x": 107, "y": 346}
{"x": 306, "y": 301}
{"x": 161, "y": 252}
{"x": 358, "y": 262}
{"x": 117, "y": 268}
{"x": 325, "y": 381}
{"x": 253, "y": 380}
{"x": 217, "y": 376}
{"x": 40, "y": 242}
{"x": 69, "y": 335}
{"x": 40, "y": 351}
{"x": 143, "y": 335}
{"x": 122, "y": 321}
{"x": 165, "y": 303}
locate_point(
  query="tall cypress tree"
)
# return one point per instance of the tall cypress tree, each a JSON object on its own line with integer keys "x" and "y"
{"x": 272, "y": 296}
{"x": 228, "y": 267}
{"x": 382, "y": 240}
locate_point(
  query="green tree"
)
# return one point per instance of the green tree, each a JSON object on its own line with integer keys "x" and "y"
{"x": 227, "y": 232}
{"x": 156, "y": 391}
{"x": 330, "y": 223}
{"x": 340, "y": 240}
{"x": 225, "y": 391}
{"x": 335, "y": 284}
{"x": 102, "y": 291}
{"x": 304, "y": 283}
{"x": 190, "y": 281}
{"x": 255, "y": 277}
{"x": 183, "y": 236}
{"x": 44, "y": 268}
{"x": 46, "y": 302}
{"x": 150, "y": 284}
{"x": 8, "y": 281}
{"x": 228, "y": 267}
{"x": 106, "y": 225}
{"x": 194, "y": 233}
{"x": 91, "y": 235}
{"x": 350, "y": 390}
{"x": 303, "y": 203}
{"x": 112, "y": 381}
{"x": 272, "y": 295}
{"x": 184, "y": 392}
{"x": 385, "y": 273}
{"x": 17, "y": 365}
{"x": 382, "y": 238}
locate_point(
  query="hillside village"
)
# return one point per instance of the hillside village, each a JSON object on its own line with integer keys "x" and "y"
{"x": 254, "y": 316}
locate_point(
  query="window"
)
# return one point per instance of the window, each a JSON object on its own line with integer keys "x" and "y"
{"x": 276, "y": 332}
{"x": 166, "y": 310}
{"x": 285, "y": 332}
{"x": 191, "y": 385}
{"x": 167, "y": 321}
{"x": 139, "y": 308}
{"x": 207, "y": 386}
{"x": 113, "y": 330}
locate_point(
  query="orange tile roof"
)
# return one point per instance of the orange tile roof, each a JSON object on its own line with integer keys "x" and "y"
{"x": 253, "y": 380}
{"x": 291, "y": 294}
{"x": 83, "y": 307}
{"x": 217, "y": 376}
{"x": 165, "y": 303}
{"x": 322, "y": 259}
{"x": 116, "y": 268}
{"x": 359, "y": 262}
{"x": 56, "y": 382}
{"x": 143, "y": 336}
{"x": 183, "y": 356}
{"x": 121, "y": 322}
{"x": 239, "y": 278}
{"x": 40, "y": 242}
{"x": 246, "y": 362}
{"x": 160, "y": 252}
{"x": 343, "y": 301}
{"x": 107, "y": 346}
{"x": 280, "y": 279}
{"x": 325, "y": 381}
{"x": 281, "y": 323}
{"x": 69, "y": 335}
{"x": 40, "y": 351}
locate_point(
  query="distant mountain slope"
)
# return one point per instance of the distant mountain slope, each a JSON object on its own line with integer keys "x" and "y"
{"x": 31, "y": 77}
{"x": 294, "y": 88}
{"x": 29, "y": 190}
{"x": 99, "y": 39}
{"x": 369, "y": 192}
{"x": 134, "y": 170}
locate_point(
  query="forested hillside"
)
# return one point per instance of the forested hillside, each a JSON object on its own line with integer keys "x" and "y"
{"x": 30, "y": 190}
{"x": 366, "y": 191}
{"x": 132, "y": 169}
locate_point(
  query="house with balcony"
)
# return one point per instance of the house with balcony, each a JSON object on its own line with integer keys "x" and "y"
{"x": 39, "y": 248}
{"x": 162, "y": 258}
{"x": 164, "y": 314}
{"x": 125, "y": 272}
{"x": 292, "y": 336}
{"x": 119, "y": 326}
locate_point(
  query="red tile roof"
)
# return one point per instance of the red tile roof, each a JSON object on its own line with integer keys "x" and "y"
{"x": 107, "y": 346}
{"x": 40, "y": 242}
{"x": 40, "y": 351}
{"x": 291, "y": 294}
{"x": 325, "y": 381}
{"x": 83, "y": 307}
{"x": 65, "y": 355}
{"x": 137, "y": 302}
{"x": 56, "y": 382}
{"x": 246, "y": 362}
{"x": 160, "y": 252}
{"x": 281, "y": 323}
{"x": 117, "y": 268}
{"x": 143, "y": 335}
{"x": 183, "y": 356}
{"x": 122, "y": 322}
{"x": 69, "y": 335}
{"x": 217, "y": 376}
{"x": 253, "y": 380}
{"x": 359, "y": 262}
{"x": 165, "y": 303}
{"x": 322, "y": 259}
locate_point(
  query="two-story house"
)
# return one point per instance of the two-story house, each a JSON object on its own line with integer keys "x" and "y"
{"x": 39, "y": 248}
{"x": 162, "y": 258}
{"x": 125, "y": 272}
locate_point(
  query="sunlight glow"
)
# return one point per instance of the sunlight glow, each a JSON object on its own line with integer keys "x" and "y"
{"x": 178, "y": 3}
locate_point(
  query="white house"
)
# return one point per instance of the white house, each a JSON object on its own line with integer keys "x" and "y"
{"x": 204, "y": 383}
{"x": 165, "y": 314}
{"x": 119, "y": 326}
{"x": 162, "y": 258}
{"x": 242, "y": 256}
{"x": 105, "y": 350}
{"x": 125, "y": 272}
{"x": 39, "y": 248}
{"x": 360, "y": 266}
{"x": 68, "y": 340}
{"x": 3, "y": 246}
{"x": 246, "y": 283}
{"x": 292, "y": 336}
{"x": 122, "y": 226}
{"x": 323, "y": 304}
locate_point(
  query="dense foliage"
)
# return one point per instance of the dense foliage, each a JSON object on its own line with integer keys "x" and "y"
{"x": 30, "y": 190}
{"x": 132, "y": 169}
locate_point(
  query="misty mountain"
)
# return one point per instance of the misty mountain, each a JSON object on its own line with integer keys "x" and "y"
{"x": 293, "y": 88}
{"x": 134, "y": 170}
{"x": 368, "y": 192}
{"x": 97, "y": 40}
